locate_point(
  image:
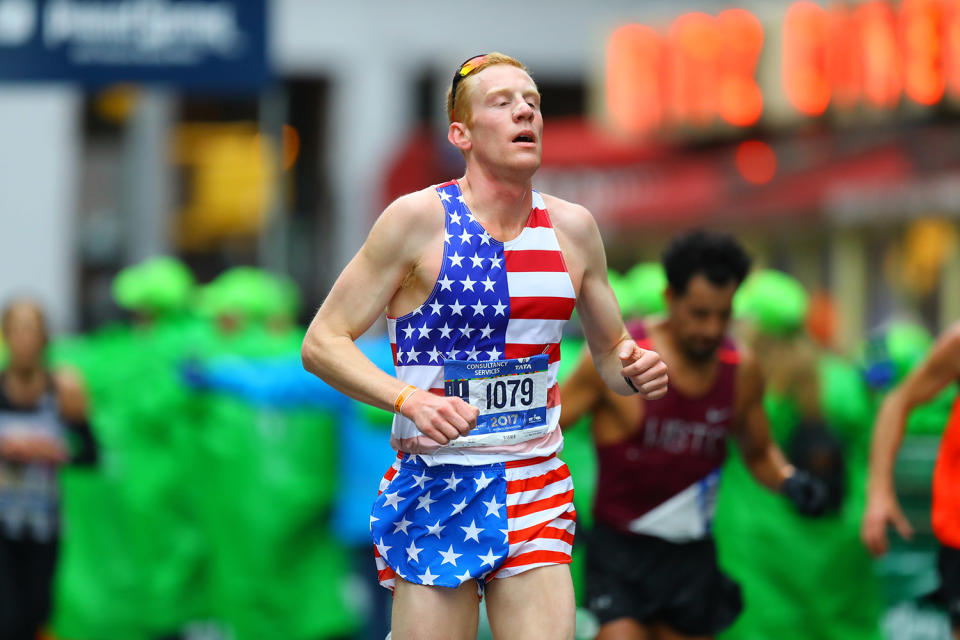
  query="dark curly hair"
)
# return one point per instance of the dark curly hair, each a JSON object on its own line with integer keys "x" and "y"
{"x": 717, "y": 256}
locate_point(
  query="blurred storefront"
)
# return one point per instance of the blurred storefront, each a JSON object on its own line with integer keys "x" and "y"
{"x": 827, "y": 134}
{"x": 823, "y": 135}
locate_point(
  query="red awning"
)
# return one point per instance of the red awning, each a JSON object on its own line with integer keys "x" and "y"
{"x": 626, "y": 185}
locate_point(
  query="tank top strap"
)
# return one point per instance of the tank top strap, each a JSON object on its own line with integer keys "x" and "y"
{"x": 450, "y": 196}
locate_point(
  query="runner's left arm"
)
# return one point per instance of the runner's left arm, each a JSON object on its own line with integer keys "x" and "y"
{"x": 615, "y": 355}
{"x": 764, "y": 459}
{"x": 761, "y": 454}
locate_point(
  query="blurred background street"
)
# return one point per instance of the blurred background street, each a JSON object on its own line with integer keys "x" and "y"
{"x": 182, "y": 180}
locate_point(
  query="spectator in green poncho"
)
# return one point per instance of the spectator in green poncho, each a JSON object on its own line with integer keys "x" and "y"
{"x": 640, "y": 290}
{"x": 158, "y": 287}
{"x": 888, "y": 356}
{"x": 272, "y": 465}
{"x": 142, "y": 511}
{"x": 252, "y": 312}
{"x": 257, "y": 295}
{"x": 801, "y": 578}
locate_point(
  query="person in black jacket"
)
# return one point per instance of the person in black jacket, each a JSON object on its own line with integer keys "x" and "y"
{"x": 43, "y": 425}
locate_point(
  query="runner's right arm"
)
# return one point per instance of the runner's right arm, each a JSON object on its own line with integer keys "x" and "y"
{"x": 941, "y": 367}
{"x": 392, "y": 252}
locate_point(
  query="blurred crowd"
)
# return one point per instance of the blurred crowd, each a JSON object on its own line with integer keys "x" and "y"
{"x": 232, "y": 490}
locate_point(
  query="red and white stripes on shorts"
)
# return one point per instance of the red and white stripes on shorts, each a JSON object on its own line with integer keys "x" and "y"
{"x": 539, "y": 517}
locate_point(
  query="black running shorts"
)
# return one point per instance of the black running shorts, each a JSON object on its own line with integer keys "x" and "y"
{"x": 652, "y": 581}
{"x": 948, "y": 566}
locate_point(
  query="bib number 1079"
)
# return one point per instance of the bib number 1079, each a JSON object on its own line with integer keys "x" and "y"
{"x": 504, "y": 394}
{"x": 510, "y": 394}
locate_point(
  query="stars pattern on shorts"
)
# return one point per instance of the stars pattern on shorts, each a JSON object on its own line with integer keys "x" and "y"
{"x": 442, "y": 527}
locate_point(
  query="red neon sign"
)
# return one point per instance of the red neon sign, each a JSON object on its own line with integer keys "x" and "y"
{"x": 805, "y": 56}
{"x": 633, "y": 83}
{"x": 740, "y": 99}
{"x": 702, "y": 70}
{"x": 951, "y": 45}
{"x": 922, "y": 31}
{"x": 874, "y": 54}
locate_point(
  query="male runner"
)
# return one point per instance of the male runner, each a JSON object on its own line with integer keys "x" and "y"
{"x": 651, "y": 563}
{"x": 478, "y": 277}
{"x": 936, "y": 371}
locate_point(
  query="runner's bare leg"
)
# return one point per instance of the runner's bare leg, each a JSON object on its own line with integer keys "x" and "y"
{"x": 534, "y": 605}
{"x": 435, "y": 613}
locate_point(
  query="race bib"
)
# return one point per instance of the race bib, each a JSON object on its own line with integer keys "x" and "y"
{"x": 510, "y": 394}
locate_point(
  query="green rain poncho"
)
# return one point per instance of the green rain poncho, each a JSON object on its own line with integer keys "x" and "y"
{"x": 206, "y": 507}
{"x": 774, "y": 302}
{"x": 132, "y": 560}
{"x": 270, "y": 477}
{"x": 802, "y": 578}
{"x": 156, "y": 287}
{"x": 640, "y": 290}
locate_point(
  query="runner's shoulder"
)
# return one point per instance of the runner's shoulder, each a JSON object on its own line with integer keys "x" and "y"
{"x": 407, "y": 224}
{"x": 745, "y": 356}
{"x": 419, "y": 208}
{"x": 952, "y": 336}
{"x": 569, "y": 217}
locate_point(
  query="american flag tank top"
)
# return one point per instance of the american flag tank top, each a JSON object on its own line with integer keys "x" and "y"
{"x": 492, "y": 302}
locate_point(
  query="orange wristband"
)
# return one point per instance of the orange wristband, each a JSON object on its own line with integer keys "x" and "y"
{"x": 405, "y": 393}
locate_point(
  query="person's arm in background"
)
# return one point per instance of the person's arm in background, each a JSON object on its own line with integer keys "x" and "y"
{"x": 940, "y": 368}
{"x": 274, "y": 382}
{"x": 277, "y": 382}
{"x": 761, "y": 455}
{"x": 580, "y": 392}
{"x": 82, "y": 446}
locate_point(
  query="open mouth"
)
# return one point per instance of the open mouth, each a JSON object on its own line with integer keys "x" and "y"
{"x": 523, "y": 137}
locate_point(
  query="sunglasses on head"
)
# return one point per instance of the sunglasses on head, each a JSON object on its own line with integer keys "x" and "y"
{"x": 465, "y": 69}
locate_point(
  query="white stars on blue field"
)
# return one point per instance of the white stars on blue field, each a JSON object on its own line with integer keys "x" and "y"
{"x": 442, "y": 525}
{"x": 471, "y": 293}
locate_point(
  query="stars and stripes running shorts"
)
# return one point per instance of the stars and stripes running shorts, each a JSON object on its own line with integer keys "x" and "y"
{"x": 446, "y": 524}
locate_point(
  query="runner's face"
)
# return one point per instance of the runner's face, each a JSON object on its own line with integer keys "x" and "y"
{"x": 700, "y": 316}
{"x": 507, "y": 125}
{"x": 24, "y": 334}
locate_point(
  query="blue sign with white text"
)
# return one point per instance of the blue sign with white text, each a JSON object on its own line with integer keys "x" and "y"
{"x": 198, "y": 44}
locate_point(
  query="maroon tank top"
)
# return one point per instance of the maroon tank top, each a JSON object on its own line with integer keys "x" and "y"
{"x": 662, "y": 480}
